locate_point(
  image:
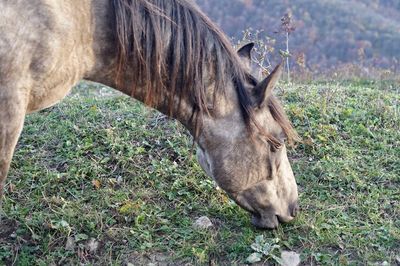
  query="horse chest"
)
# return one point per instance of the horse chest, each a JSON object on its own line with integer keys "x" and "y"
{"x": 61, "y": 59}
{"x": 53, "y": 76}
{"x": 52, "y": 90}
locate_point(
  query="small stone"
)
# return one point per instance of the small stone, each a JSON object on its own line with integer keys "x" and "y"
{"x": 290, "y": 258}
{"x": 398, "y": 260}
{"x": 161, "y": 257}
{"x": 11, "y": 188}
{"x": 92, "y": 245}
{"x": 70, "y": 245}
{"x": 203, "y": 223}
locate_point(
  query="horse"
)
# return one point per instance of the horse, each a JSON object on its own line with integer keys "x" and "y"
{"x": 170, "y": 56}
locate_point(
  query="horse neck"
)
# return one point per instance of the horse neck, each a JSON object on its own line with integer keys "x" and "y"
{"x": 182, "y": 108}
{"x": 105, "y": 53}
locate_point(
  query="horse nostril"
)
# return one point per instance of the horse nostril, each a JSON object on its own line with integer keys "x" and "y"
{"x": 280, "y": 219}
{"x": 271, "y": 223}
{"x": 255, "y": 219}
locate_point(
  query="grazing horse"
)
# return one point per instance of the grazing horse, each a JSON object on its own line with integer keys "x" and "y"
{"x": 169, "y": 55}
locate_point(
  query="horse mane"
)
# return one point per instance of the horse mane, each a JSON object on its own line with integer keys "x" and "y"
{"x": 171, "y": 45}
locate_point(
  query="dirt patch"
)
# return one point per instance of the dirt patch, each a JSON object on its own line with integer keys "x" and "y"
{"x": 7, "y": 229}
{"x": 156, "y": 259}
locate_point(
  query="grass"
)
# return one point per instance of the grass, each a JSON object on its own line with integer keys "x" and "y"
{"x": 100, "y": 179}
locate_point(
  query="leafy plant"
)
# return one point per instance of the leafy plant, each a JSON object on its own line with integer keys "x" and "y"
{"x": 263, "y": 51}
{"x": 265, "y": 46}
{"x": 264, "y": 248}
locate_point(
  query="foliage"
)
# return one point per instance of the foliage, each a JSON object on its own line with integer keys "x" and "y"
{"x": 328, "y": 32}
{"x": 99, "y": 179}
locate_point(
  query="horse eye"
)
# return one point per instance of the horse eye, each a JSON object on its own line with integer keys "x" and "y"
{"x": 274, "y": 148}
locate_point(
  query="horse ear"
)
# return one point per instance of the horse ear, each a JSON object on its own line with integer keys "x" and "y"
{"x": 264, "y": 89}
{"x": 245, "y": 54}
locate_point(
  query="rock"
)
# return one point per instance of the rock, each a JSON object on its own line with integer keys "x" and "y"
{"x": 159, "y": 257}
{"x": 385, "y": 263}
{"x": 70, "y": 245}
{"x": 290, "y": 258}
{"x": 203, "y": 223}
{"x": 92, "y": 245}
{"x": 397, "y": 260}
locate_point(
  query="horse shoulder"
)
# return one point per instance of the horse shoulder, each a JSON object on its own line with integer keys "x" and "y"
{"x": 65, "y": 53}
{"x": 45, "y": 47}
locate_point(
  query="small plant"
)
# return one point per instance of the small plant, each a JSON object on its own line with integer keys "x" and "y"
{"x": 265, "y": 46}
{"x": 263, "y": 51}
{"x": 264, "y": 248}
{"x": 287, "y": 27}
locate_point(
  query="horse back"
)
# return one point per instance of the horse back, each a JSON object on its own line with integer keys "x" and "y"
{"x": 45, "y": 47}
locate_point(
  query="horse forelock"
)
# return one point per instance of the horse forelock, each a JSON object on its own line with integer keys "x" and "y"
{"x": 171, "y": 45}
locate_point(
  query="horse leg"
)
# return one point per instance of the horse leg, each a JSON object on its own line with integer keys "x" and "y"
{"x": 12, "y": 113}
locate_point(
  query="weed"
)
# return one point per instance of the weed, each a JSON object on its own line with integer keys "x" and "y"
{"x": 264, "y": 248}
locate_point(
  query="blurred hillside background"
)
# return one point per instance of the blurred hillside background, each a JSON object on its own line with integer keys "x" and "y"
{"x": 328, "y": 33}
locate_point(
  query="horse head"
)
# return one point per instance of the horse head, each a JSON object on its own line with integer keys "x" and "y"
{"x": 252, "y": 165}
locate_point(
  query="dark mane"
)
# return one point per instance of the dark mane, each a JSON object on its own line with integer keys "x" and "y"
{"x": 172, "y": 46}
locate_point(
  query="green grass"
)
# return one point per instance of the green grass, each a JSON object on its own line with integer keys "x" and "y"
{"x": 104, "y": 168}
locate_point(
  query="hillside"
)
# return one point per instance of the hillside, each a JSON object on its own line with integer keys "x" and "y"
{"x": 327, "y": 31}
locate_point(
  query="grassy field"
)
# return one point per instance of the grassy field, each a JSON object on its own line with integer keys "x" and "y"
{"x": 100, "y": 179}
